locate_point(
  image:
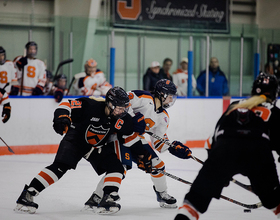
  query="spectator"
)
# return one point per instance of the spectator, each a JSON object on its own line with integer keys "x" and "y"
{"x": 218, "y": 85}
{"x": 167, "y": 63}
{"x": 180, "y": 78}
{"x": 31, "y": 72}
{"x": 152, "y": 75}
{"x": 7, "y": 72}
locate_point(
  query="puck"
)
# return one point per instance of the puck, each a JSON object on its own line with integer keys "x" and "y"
{"x": 247, "y": 210}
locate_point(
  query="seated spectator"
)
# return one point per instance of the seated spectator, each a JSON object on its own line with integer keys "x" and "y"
{"x": 218, "y": 84}
{"x": 152, "y": 75}
{"x": 167, "y": 63}
{"x": 92, "y": 81}
{"x": 180, "y": 78}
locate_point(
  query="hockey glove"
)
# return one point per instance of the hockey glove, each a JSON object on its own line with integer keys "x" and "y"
{"x": 14, "y": 90}
{"x": 145, "y": 163}
{"x": 61, "y": 124}
{"x": 139, "y": 123}
{"x": 58, "y": 95}
{"x": 21, "y": 62}
{"x": 6, "y": 113}
{"x": 180, "y": 150}
{"x": 38, "y": 90}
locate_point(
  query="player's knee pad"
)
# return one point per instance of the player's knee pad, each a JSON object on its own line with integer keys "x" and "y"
{"x": 59, "y": 169}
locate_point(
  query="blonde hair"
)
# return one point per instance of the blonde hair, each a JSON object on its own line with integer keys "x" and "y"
{"x": 249, "y": 103}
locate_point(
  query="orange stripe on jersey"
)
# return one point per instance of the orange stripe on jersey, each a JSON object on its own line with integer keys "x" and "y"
{"x": 165, "y": 112}
{"x": 46, "y": 177}
{"x": 117, "y": 149}
{"x": 160, "y": 147}
{"x": 146, "y": 96}
{"x": 113, "y": 179}
{"x": 65, "y": 104}
{"x": 130, "y": 138}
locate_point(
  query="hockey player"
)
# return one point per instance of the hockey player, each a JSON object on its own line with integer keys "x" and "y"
{"x": 58, "y": 90}
{"x": 92, "y": 81}
{"x": 88, "y": 124}
{"x": 242, "y": 143}
{"x": 49, "y": 83}
{"x": 31, "y": 72}
{"x": 4, "y": 100}
{"x": 7, "y": 72}
{"x": 153, "y": 109}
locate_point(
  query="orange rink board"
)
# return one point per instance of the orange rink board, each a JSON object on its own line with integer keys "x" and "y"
{"x": 51, "y": 149}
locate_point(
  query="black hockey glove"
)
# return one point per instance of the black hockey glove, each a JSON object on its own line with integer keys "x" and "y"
{"x": 58, "y": 95}
{"x": 145, "y": 163}
{"x": 38, "y": 90}
{"x": 180, "y": 150}
{"x": 2, "y": 91}
{"x": 21, "y": 62}
{"x": 139, "y": 123}
{"x": 6, "y": 113}
{"x": 61, "y": 124}
{"x": 14, "y": 90}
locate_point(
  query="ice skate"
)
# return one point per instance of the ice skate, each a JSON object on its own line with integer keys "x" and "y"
{"x": 107, "y": 206}
{"x": 25, "y": 202}
{"x": 92, "y": 203}
{"x": 165, "y": 200}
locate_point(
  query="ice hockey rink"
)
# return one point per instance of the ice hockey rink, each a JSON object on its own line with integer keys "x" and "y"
{"x": 65, "y": 199}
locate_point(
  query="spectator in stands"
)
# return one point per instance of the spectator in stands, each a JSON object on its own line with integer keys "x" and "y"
{"x": 152, "y": 75}
{"x": 218, "y": 84}
{"x": 167, "y": 63}
{"x": 180, "y": 78}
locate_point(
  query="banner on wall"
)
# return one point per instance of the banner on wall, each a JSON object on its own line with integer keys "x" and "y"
{"x": 175, "y": 15}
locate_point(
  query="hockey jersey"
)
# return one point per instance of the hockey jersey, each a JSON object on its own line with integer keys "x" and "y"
{"x": 157, "y": 121}
{"x": 91, "y": 126}
{"x": 180, "y": 79}
{"x": 34, "y": 74}
{"x": 7, "y": 75}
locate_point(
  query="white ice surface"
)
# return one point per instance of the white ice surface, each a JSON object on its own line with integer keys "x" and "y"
{"x": 64, "y": 199}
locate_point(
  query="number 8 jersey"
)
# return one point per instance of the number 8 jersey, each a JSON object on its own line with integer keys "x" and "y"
{"x": 34, "y": 74}
{"x": 157, "y": 121}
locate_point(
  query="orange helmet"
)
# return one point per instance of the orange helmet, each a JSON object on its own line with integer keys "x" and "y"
{"x": 90, "y": 63}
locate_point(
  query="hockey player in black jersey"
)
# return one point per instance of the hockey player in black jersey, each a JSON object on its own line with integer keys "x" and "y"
{"x": 242, "y": 142}
{"x": 88, "y": 123}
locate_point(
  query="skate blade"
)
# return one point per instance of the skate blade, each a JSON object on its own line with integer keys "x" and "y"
{"x": 87, "y": 208}
{"x": 168, "y": 206}
{"x": 103, "y": 211}
{"x": 24, "y": 209}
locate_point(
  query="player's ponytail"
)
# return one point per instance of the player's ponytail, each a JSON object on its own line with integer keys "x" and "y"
{"x": 249, "y": 103}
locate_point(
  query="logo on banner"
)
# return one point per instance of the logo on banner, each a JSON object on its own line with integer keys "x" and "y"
{"x": 94, "y": 135}
{"x": 129, "y": 12}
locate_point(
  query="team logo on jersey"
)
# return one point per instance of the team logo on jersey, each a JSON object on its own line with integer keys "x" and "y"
{"x": 94, "y": 135}
{"x": 94, "y": 119}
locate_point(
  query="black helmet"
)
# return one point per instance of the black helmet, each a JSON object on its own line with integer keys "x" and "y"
{"x": 2, "y": 50}
{"x": 31, "y": 43}
{"x": 117, "y": 96}
{"x": 163, "y": 88}
{"x": 267, "y": 85}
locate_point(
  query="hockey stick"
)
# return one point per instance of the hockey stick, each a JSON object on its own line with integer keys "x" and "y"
{"x": 61, "y": 64}
{"x": 10, "y": 149}
{"x": 247, "y": 187}
{"x": 248, "y": 206}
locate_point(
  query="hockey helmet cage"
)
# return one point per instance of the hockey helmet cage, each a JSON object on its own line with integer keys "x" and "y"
{"x": 29, "y": 44}
{"x": 266, "y": 84}
{"x": 2, "y": 50}
{"x": 49, "y": 74}
{"x": 117, "y": 96}
{"x": 163, "y": 89}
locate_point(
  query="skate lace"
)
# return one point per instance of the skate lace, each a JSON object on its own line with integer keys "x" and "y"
{"x": 165, "y": 195}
